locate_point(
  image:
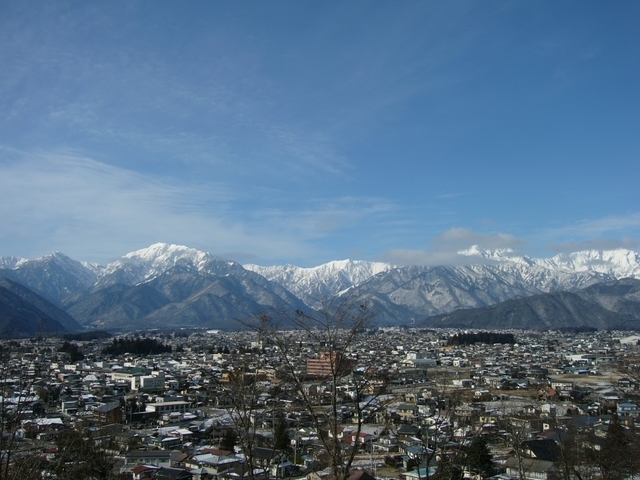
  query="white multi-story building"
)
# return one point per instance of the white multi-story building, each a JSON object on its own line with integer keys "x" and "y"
{"x": 162, "y": 408}
{"x": 148, "y": 383}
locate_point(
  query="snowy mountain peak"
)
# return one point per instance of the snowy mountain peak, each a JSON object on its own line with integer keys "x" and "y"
{"x": 620, "y": 262}
{"x": 53, "y": 276}
{"x": 147, "y": 263}
{"x": 352, "y": 268}
{"x": 473, "y": 250}
{"x": 55, "y": 257}
{"x": 354, "y": 271}
{"x": 165, "y": 252}
{"x": 60, "y": 260}
{"x": 11, "y": 262}
{"x": 496, "y": 255}
{"x": 315, "y": 284}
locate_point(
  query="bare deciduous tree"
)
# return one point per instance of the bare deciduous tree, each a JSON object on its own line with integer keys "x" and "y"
{"x": 334, "y": 329}
{"x": 15, "y": 400}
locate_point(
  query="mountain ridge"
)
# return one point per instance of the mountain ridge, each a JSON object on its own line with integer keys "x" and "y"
{"x": 179, "y": 285}
{"x": 25, "y": 313}
{"x": 606, "y": 305}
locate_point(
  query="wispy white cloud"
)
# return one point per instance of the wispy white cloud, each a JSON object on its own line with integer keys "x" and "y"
{"x": 94, "y": 211}
{"x": 224, "y": 110}
{"x": 447, "y": 245}
{"x": 324, "y": 218}
{"x": 67, "y": 202}
{"x": 605, "y": 233}
{"x": 459, "y": 238}
{"x": 599, "y": 227}
{"x": 426, "y": 257}
{"x": 304, "y": 152}
{"x": 595, "y": 244}
{"x": 446, "y": 196}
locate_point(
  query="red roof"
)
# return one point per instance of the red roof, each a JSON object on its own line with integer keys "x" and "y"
{"x": 216, "y": 451}
{"x": 142, "y": 468}
{"x": 360, "y": 475}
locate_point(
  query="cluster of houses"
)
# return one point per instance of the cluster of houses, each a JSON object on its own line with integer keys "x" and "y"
{"x": 177, "y": 415}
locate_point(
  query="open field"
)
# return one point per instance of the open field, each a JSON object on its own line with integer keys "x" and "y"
{"x": 608, "y": 377}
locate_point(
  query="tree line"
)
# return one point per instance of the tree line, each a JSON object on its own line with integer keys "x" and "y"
{"x": 137, "y": 346}
{"x": 481, "y": 337}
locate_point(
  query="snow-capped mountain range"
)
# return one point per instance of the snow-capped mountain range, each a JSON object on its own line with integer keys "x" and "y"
{"x": 169, "y": 285}
{"x": 317, "y": 284}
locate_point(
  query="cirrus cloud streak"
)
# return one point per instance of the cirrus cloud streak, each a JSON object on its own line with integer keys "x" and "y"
{"x": 90, "y": 210}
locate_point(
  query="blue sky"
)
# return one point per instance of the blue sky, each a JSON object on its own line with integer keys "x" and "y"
{"x": 303, "y": 132}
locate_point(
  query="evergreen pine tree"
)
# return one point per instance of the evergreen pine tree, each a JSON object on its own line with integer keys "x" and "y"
{"x": 229, "y": 440}
{"x": 446, "y": 470}
{"x": 615, "y": 459}
{"x": 479, "y": 459}
{"x": 281, "y": 439}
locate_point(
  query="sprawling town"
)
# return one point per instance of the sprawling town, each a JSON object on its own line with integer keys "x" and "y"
{"x": 386, "y": 403}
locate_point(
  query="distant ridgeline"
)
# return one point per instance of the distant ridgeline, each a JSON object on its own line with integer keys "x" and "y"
{"x": 481, "y": 337}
